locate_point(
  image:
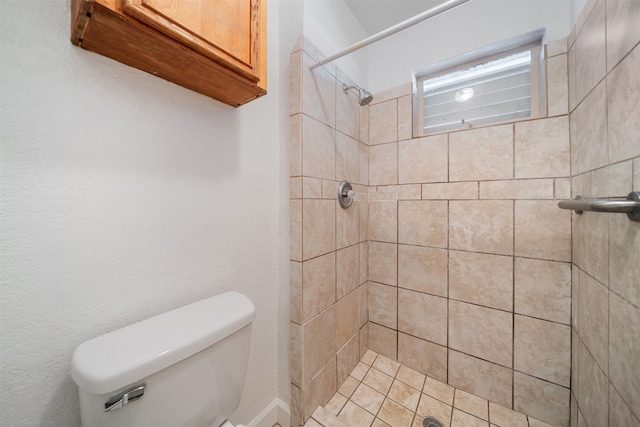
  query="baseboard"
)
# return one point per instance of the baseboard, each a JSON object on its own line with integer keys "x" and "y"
{"x": 276, "y": 412}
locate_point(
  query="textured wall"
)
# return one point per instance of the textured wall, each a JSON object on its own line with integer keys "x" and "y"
{"x": 604, "y": 89}
{"x": 124, "y": 196}
{"x": 469, "y": 256}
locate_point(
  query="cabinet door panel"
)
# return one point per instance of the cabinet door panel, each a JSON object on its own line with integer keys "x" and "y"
{"x": 223, "y": 30}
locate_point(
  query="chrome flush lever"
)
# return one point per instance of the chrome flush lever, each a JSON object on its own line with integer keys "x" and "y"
{"x": 119, "y": 400}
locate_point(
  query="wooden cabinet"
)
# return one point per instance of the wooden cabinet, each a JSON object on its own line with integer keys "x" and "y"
{"x": 215, "y": 47}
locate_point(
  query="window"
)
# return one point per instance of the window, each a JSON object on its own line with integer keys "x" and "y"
{"x": 488, "y": 88}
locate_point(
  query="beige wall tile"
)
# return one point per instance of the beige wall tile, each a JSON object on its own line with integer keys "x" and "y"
{"x": 423, "y": 356}
{"x": 612, "y": 181}
{"x": 383, "y": 164}
{"x": 383, "y": 263}
{"x": 318, "y": 285}
{"x": 573, "y": 96}
{"x": 383, "y": 122}
{"x": 318, "y": 149}
{"x": 296, "y": 406}
{"x": 363, "y": 164}
{"x": 518, "y": 189}
{"x": 383, "y": 221}
{"x": 295, "y": 291}
{"x": 636, "y": 174}
{"x": 589, "y": 132}
{"x": 318, "y": 344}
{"x": 295, "y": 354}
{"x": 562, "y": 188}
{"x": 623, "y": 31}
{"x": 423, "y": 316}
{"x": 542, "y": 148}
{"x": 394, "y": 92}
{"x": 295, "y": 230}
{"x": 346, "y": 271}
{"x": 320, "y": 389}
{"x": 593, "y": 389}
{"x": 318, "y": 233}
{"x": 623, "y": 118}
{"x": 347, "y": 109}
{"x": 398, "y": 192}
{"x": 542, "y": 349}
{"x": 383, "y": 305}
{"x": 624, "y": 253}
{"x": 557, "y": 85}
{"x": 363, "y": 305}
{"x": 542, "y": 230}
{"x": 363, "y": 220}
{"x": 543, "y": 289}
{"x": 347, "y": 227}
{"x": 619, "y": 413}
{"x": 295, "y": 145}
{"x": 481, "y": 279}
{"x": 485, "y": 379}
{"x": 450, "y": 191}
{"x": 624, "y": 347}
{"x": 423, "y": 269}
{"x": 405, "y": 117}
{"x": 295, "y": 188}
{"x": 422, "y": 223}
{"x": 347, "y": 158}
{"x": 423, "y": 160}
{"x": 591, "y": 251}
{"x": 346, "y": 319}
{"x": 318, "y": 92}
{"x": 484, "y": 226}
{"x": 542, "y": 87}
{"x": 482, "y": 332}
{"x": 481, "y": 154}
{"x": 575, "y": 343}
{"x": 295, "y": 82}
{"x": 347, "y": 358}
{"x": 593, "y": 310}
{"x": 311, "y": 188}
{"x": 364, "y": 125}
{"x": 383, "y": 340}
{"x": 556, "y": 47}
{"x": 575, "y": 275}
{"x": 591, "y": 51}
{"x": 364, "y": 339}
{"x": 363, "y": 262}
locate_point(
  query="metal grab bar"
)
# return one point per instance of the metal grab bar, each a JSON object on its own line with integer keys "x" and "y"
{"x": 630, "y": 206}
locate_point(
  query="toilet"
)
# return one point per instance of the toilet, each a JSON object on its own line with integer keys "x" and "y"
{"x": 185, "y": 367}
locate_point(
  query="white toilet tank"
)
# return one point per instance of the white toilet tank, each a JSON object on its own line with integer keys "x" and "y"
{"x": 185, "y": 367}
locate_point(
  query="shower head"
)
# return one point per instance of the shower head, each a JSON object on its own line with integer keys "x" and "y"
{"x": 364, "y": 96}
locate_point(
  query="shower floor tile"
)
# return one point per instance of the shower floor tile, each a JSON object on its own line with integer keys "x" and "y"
{"x": 382, "y": 392}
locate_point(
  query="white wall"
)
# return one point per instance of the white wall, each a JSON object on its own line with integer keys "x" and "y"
{"x": 331, "y": 27}
{"x": 124, "y": 196}
{"x": 468, "y": 27}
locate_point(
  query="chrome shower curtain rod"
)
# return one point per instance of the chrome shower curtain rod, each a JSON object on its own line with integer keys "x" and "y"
{"x": 391, "y": 30}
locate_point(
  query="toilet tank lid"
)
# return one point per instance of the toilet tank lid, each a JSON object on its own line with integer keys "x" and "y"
{"x": 119, "y": 358}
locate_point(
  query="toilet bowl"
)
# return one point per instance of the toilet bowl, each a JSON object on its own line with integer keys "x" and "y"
{"x": 185, "y": 367}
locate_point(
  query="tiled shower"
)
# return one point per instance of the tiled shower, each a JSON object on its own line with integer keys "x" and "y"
{"x": 455, "y": 259}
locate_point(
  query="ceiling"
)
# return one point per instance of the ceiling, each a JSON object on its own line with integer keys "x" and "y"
{"x": 378, "y": 15}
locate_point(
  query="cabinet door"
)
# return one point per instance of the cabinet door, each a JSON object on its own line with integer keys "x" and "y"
{"x": 226, "y": 31}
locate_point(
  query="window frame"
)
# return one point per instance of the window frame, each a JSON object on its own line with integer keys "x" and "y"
{"x": 532, "y": 41}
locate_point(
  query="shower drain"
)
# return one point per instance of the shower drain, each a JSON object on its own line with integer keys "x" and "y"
{"x": 431, "y": 422}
